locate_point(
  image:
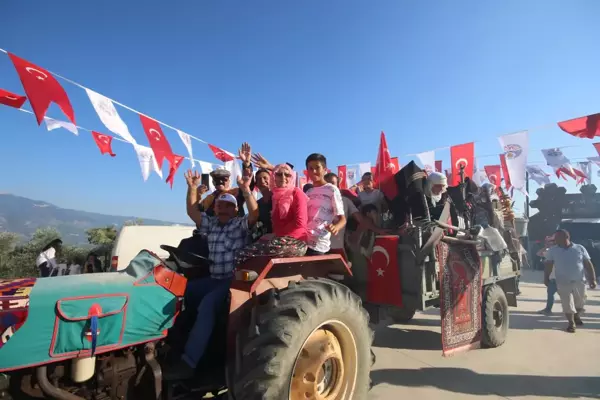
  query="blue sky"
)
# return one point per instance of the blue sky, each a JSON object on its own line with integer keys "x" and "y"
{"x": 292, "y": 78}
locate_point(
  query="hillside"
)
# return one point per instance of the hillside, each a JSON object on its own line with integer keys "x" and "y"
{"x": 23, "y": 216}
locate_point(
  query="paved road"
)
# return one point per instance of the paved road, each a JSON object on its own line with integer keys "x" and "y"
{"x": 538, "y": 361}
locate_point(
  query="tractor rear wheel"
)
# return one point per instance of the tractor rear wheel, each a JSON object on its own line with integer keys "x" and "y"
{"x": 311, "y": 341}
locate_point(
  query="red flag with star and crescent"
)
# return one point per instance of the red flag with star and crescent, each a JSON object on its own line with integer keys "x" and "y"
{"x": 582, "y": 127}
{"x": 12, "y": 100}
{"x": 343, "y": 184}
{"x": 221, "y": 154}
{"x": 505, "y": 173}
{"x": 175, "y": 163}
{"x": 493, "y": 172}
{"x": 385, "y": 170}
{"x": 104, "y": 143}
{"x": 157, "y": 139}
{"x": 384, "y": 285}
{"x": 462, "y": 154}
{"x": 42, "y": 89}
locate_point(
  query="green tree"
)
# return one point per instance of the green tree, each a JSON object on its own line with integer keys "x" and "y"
{"x": 8, "y": 242}
{"x": 104, "y": 236}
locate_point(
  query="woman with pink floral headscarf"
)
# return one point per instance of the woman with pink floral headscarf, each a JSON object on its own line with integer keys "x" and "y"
{"x": 289, "y": 217}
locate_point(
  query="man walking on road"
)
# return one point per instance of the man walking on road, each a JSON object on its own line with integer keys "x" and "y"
{"x": 570, "y": 262}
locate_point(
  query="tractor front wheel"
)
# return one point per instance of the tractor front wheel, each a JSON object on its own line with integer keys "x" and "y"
{"x": 312, "y": 341}
{"x": 495, "y": 317}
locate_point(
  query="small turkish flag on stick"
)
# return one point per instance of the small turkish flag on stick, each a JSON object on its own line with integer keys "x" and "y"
{"x": 221, "y": 154}
{"x": 385, "y": 170}
{"x": 158, "y": 141}
{"x": 104, "y": 143}
{"x": 10, "y": 99}
{"x": 42, "y": 89}
{"x": 177, "y": 160}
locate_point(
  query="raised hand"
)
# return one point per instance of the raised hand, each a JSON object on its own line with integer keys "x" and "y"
{"x": 244, "y": 183}
{"x": 245, "y": 153}
{"x": 192, "y": 178}
{"x": 261, "y": 162}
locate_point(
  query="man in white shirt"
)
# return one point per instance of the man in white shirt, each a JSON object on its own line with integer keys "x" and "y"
{"x": 570, "y": 262}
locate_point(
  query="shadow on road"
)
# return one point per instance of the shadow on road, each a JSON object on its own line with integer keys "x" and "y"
{"x": 461, "y": 380}
{"x": 409, "y": 339}
{"x": 533, "y": 320}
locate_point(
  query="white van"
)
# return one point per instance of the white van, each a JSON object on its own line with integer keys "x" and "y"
{"x": 132, "y": 239}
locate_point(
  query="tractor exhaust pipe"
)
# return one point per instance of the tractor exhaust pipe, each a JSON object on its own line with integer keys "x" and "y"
{"x": 51, "y": 390}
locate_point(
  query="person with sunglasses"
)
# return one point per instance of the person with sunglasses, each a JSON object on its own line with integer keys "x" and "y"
{"x": 289, "y": 217}
{"x": 222, "y": 182}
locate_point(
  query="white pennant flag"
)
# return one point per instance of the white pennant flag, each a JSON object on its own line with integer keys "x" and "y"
{"x": 235, "y": 170}
{"x": 538, "y": 175}
{"x": 427, "y": 160}
{"x": 364, "y": 168}
{"x": 555, "y": 158}
{"x": 516, "y": 149}
{"x": 108, "y": 115}
{"x": 52, "y": 124}
{"x": 354, "y": 173}
{"x": 479, "y": 176}
{"x": 147, "y": 161}
{"x": 187, "y": 141}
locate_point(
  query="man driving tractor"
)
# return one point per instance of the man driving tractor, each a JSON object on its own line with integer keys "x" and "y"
{"x": 226, "y": 232}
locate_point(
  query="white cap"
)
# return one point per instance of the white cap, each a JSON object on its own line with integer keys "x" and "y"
{"x": 228, "y": 198}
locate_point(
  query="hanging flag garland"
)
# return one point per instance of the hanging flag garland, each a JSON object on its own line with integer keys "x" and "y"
{"x": 583, "y": 127}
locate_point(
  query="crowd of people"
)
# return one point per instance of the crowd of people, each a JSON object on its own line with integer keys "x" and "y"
{"x": 285, "y": 221}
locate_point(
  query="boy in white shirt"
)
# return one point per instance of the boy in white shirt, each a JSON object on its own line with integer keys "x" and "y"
{"x": 325, "y": 207}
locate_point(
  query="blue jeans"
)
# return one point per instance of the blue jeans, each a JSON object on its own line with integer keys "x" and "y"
{"x": 551, "y": 292}
{"x": 207, "y": 296}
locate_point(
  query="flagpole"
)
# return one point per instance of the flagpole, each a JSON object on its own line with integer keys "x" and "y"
{"x": 527, "y": 197}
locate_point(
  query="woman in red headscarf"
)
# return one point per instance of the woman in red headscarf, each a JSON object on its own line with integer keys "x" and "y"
{"x": 289, "y": 216}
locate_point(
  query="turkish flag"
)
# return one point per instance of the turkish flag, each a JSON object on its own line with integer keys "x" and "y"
{"x": 42, "y": 89}
{"x": 175, "y": 162}
{"x": 104, "y": 143}
{"x": 438, "y": 166}
{"x": 396, "y": 163}
{"x": 493, "y": 173}
{"x": 385, "y": 170}
{"x": 463, "y": 154}
{"x": 597, "y": 146}
{"x": 583, "y": 127}
{"x": 342, "y": 177}
{"x": 158, "y": 141}
{"x": 383, "y": 276}
{"x": 221, "y": 154}
{"x": 505, "y": 173}
{"x": 12, "y": 100}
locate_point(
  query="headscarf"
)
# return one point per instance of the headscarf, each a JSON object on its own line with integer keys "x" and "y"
{"x": 435, "y": 178}
{"x": 283, "y": 196}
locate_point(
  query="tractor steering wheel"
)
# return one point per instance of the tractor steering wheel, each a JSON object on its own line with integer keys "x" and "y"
{"x": 179, "y": 256}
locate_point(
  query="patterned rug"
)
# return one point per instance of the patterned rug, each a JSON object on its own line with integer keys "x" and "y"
{"x": 460, "y": 297}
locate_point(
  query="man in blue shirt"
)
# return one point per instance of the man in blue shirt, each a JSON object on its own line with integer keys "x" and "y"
{"x": 226, "y": 233}
{"x": 570, "y": 262}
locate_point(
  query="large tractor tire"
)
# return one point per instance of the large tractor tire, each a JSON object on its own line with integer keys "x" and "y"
{"x": 311, "y": 341}
{"x": 495, "y": 317}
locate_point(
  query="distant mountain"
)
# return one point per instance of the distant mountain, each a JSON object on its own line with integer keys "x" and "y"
{"x": 23, "y": 216}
